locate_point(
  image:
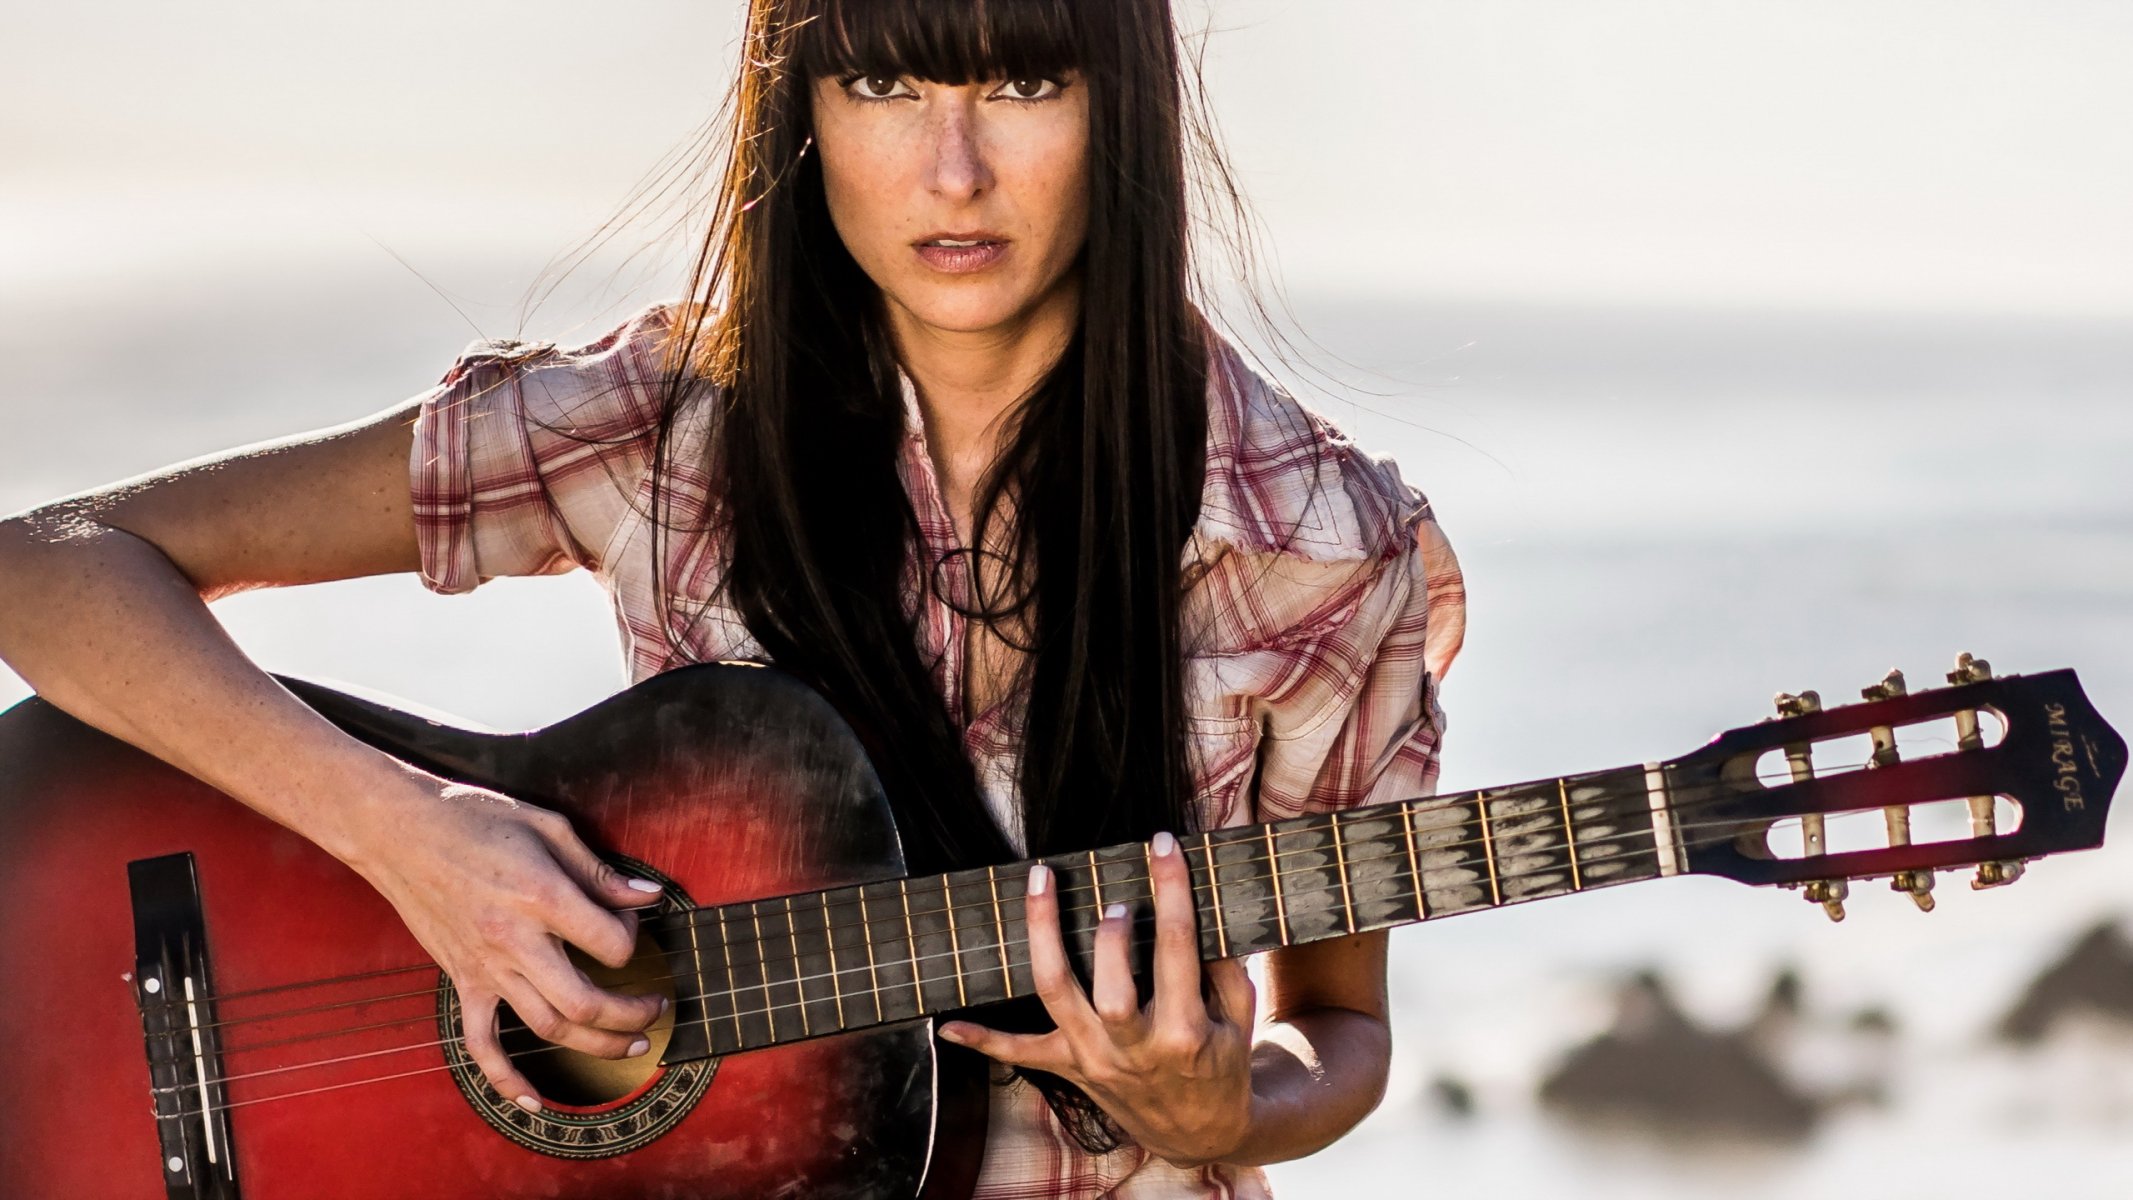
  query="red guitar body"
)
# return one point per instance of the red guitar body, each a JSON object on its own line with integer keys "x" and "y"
{"x": 730, "y": 782}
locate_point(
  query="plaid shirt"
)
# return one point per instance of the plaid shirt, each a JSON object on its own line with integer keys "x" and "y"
{"x": 1322, "y": 605}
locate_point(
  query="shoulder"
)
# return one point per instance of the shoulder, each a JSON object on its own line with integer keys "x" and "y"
{"x": 609, "y": 386}
{"x": 1283, "y": 480}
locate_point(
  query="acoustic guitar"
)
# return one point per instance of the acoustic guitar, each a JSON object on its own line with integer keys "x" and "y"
{"x": 235, "y": 1013}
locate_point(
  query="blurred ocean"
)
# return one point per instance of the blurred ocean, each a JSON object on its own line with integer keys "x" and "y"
{"x": 1665, "y": 517}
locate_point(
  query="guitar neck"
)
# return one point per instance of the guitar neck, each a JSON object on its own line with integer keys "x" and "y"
{"x": 800, "y": 966}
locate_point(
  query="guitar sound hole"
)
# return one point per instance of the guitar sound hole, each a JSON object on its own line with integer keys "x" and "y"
{"x": 574, "y": 1079}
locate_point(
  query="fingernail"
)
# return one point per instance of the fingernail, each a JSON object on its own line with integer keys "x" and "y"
{"x": 1164, "y": 844}
{"x": 951, "y": 1033}
{"x": 639, "y": 1046}
{"x": 529, "y": 1104}
{"x": 664, "y": 1005}
{"x": 1116, "y": 912}
{"x": 1040, "y": 878}
{"x": 643, "y": 885}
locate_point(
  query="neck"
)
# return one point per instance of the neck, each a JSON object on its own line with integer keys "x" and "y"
{"x": 969, "y": 381}
{"x": 779, "y": 970}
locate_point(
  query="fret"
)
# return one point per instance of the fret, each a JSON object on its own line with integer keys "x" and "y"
{"x": 822, "y": 1006}
{"x": 792, "y": 935}
{"x": 1530, "y": 841}
{"x": 829, "y": 942}
{"x": 751, "y": 1015}
{"x": 1214, "y": 896}
{"x": 1488, "y": 847}
{"x": 1445, "y": 834}
{"x": 1377, "y": 869}
{"x": 1122, "y": 874}
{"x": 999, "y": 929}
{"x": 1096, "y": 883}
{"x": 1570, "y": 834}
{"x": 714, "y": 998}
{"x": 779, "y": 977}
{"x": 1239, "y": 871}
{"x": 844, "y": 919}
{"x": 955, "y": 943}
{"x": 1340, "y": 868}
{"x": 891, "y": 953}
{"x": 1307, "y": 879}
{"x": 1078, "y": 896}
{"x": 1611, "y": 817}
{"x": 978, "y": 954}
{"x": 1414, "y": 864}
{"x": 940, "y": 975}
{"x": 1273, "y": 874}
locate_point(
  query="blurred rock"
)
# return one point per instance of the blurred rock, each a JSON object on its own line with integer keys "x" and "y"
{"x": 1451, "y": 1097}
{"x": 1658, "y": 1069}
{"x": 2094, "y": 978}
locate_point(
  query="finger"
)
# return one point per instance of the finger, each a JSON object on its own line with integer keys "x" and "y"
{"x": 550, "y": 1024}
{"x": 1177, "y": 943}
{"x": 1042, "y": 1051}
{"x": 1111, "y": 990}
{"x": 1048, "y": 969}
{"x": 477, "y": 1029}
{"x": 1236, "y": 997}
{"x": 576, "y": 917}
{"x": 599, "y": 878}
{"x": 578, "y": 1000}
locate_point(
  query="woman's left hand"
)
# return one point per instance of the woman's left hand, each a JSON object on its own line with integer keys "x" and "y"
{"x": 1175, "y": 1073}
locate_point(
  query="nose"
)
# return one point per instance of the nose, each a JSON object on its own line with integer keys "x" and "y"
{"x": 959, "y": 171}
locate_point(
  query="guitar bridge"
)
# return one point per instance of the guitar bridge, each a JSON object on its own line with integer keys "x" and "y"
{"x": 172, "y": 986}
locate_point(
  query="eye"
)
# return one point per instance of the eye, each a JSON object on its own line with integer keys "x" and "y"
{"x": 875, "y": 87}
{"x": 1031, "y": 89}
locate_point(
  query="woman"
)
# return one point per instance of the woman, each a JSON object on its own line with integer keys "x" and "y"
{"x": 938, "y": 427}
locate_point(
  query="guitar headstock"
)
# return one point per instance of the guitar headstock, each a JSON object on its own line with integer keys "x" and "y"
{"x": 2014, "y": 768}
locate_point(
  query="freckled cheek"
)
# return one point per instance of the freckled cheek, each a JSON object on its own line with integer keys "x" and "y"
{"x": 868, "y": 205}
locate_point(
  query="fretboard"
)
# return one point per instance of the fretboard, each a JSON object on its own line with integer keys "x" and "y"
{"x": 792, "y": 967}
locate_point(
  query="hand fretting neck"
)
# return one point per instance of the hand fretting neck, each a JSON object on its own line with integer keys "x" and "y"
{"x": 800, "y": 966}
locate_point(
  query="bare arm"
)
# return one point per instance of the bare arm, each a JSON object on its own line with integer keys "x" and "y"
{"x": 1320, "y": 1063}
{"x": 103, "y": 605}
{"x": 103, "y": 610}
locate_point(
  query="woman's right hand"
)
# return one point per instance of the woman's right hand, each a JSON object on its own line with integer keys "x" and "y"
{"x": 493, "y": 887}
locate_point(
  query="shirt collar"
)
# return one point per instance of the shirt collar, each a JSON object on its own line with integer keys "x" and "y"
{"x": 914, "y": 421}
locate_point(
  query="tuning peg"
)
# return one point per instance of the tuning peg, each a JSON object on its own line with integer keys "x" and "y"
{"x": 1799, "y": 760}
{"x": 1996, "y": 874}
{"x": 1969, "y": 737}
{"x": 1891, "y": 686}
{"x": 1830, "y": 894}
{"x": 1918, "y": 885}
{"x": 1789, "y": 705}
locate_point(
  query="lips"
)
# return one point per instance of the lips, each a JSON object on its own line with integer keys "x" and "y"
{"x": 961, "y": 253}
{"x": 960, "y": 240}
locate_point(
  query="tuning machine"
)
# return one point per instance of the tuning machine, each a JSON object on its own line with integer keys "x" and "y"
{"x": 1918, "y": 885}
{"x": 1799, "y": 759}
{"x": 1970, "y": 669}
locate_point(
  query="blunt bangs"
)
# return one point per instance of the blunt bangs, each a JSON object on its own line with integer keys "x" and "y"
{"x": 951, "y": 42}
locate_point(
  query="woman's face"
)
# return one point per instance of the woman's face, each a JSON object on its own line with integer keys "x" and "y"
{"x": 909, "y": 164}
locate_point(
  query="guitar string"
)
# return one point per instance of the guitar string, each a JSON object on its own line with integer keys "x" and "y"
{"x": 707, "y": 1020}
{"x": 764, "y": 941}
{"x": 702, "y": 916}
{"x": 876, "y": 990}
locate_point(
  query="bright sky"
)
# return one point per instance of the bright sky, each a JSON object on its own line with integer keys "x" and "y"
{"x": 1912, "y": 154}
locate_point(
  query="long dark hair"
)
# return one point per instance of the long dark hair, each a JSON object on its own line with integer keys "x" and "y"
{"x": 1101, "y": 471}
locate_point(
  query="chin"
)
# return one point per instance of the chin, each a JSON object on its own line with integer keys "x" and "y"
{"x": 966, "y": 309}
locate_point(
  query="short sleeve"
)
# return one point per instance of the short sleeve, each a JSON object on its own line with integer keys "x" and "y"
{"x": 1362, "y": 723}
{"x": 527, "y": 457}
